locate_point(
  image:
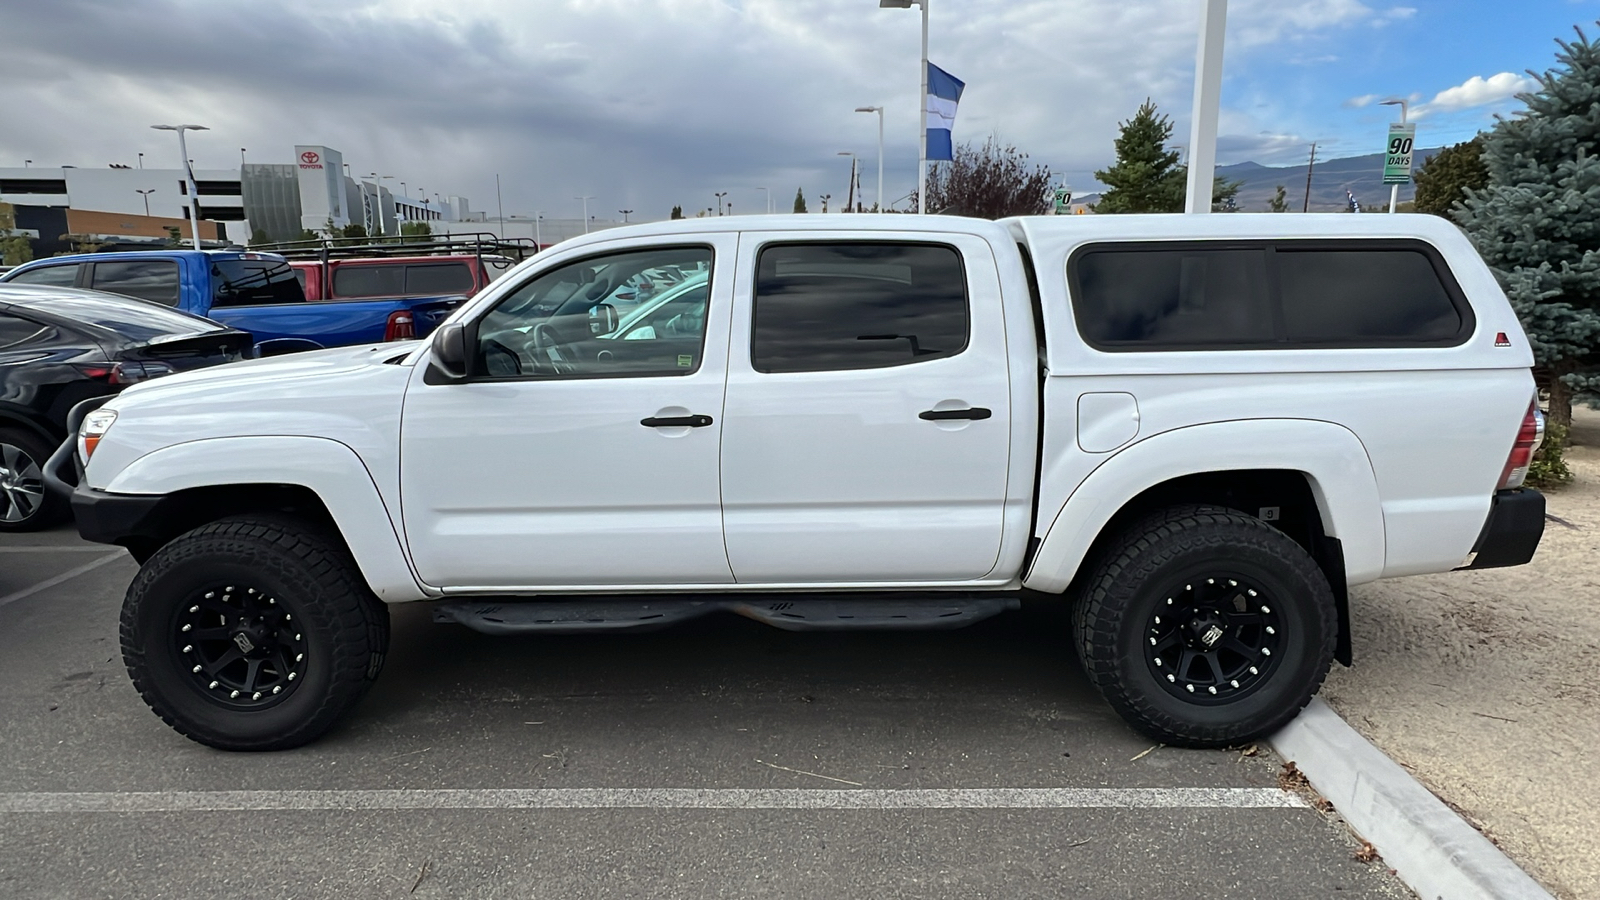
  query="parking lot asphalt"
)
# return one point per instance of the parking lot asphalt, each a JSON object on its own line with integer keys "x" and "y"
{"x": 720, "y": 758}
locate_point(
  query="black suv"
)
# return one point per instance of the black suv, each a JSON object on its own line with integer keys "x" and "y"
{"x": 59, "y": 346}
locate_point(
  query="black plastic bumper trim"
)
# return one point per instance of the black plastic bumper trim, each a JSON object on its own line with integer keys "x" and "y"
{"x": 1512, "y": 532}
{"x": 113, "y": 518}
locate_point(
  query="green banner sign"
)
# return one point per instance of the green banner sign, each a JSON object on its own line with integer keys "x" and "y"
{"x": 1397, "y": 154}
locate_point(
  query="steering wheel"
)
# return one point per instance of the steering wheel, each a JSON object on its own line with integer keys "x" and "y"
{"x": 547, "y": 351}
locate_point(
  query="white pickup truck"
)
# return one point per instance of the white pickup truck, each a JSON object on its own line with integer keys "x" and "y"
{"x": 1198, "y": 430}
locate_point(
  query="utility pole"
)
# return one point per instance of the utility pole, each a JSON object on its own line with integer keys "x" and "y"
{"x": 1309, "y": 166}
{"x": 586, "y": 198}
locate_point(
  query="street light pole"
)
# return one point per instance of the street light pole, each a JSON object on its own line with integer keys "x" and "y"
{"x": 188, "y": 176}
{"x": 145, "y": 195}
{"x": 769, "y": 199}
{"x": 624, "y": 215}
{"x": 585, "y": 200}
{"x": 538, "y": 240}
{"x": 1394, "y": 189}
{"x": 377, "y": 199}
{"x": 879, "y": 111}
{"x": 1207, "y": 105}
{"x": 719, "y": 195}
{"x": 922, "y": 101}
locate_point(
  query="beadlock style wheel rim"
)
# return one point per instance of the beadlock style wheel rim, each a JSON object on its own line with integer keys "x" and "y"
{"x": 239, "y": 646}
{"x": 21, "y": 485}
{"x": 1213, "y": 640}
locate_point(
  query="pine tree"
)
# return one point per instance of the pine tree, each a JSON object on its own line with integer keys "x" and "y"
{"x": 1444, "y": 178}
{"x": 1146, "y": 176}
{"x": 677, "y": 211}
{"x": 1537, "y": 223}
{"x": 1279, "y": 201}
{"x": 799, "y": 200}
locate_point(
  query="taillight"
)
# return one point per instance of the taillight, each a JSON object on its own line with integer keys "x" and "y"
{"x": 135, "y": 371}
{"x": 1529, "y": 437}
{"x": 400, "y": 327}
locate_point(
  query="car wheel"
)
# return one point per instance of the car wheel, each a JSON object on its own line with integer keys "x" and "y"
{"x": 1205, "y": 627}
{"x": 252, "y": 634}
{"x": 24, "y": 503}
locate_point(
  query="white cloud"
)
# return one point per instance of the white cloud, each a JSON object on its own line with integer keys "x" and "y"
{"x": 1363, "y": 100}
{"x": 1476, "y": 91}
{"x": 1394, "y": 14}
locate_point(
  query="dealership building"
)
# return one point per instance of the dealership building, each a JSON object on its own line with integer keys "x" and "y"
{"x": 133, "y": 207}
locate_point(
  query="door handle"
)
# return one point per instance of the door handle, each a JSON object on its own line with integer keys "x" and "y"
{"x": 678, "y": 421}
{"x": 941, "y": 415}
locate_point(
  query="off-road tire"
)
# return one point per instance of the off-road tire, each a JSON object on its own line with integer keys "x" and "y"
{"x": 51, "y": 508}
{"x": 341, "y": 628}
{"x": 1160, "y": 557}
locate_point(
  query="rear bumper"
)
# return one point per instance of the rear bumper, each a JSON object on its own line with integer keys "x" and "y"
{"x": 1512, "y": 532}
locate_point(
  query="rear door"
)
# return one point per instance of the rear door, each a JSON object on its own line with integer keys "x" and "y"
{"x": 867, "y": 420}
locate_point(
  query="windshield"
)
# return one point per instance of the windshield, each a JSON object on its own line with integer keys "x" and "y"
{"x": 136, "y": 320}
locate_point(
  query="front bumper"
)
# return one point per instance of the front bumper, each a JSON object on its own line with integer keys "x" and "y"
{"x": 1512, "y": 532}
{"x": 122, "y": 519}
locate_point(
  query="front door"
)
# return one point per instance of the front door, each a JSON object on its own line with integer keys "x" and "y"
{"x": 868, "y": 412}
{"x": 582, "y": 450}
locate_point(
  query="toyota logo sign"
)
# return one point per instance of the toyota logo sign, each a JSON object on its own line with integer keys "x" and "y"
{"x": 310, "y": 158}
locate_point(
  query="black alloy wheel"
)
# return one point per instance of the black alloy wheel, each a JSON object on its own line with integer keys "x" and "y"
{"x": 1205, "y": 627}
{"x": 244, "y": 649}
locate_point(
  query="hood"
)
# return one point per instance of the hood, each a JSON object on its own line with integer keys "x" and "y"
{"x": 288, "y": 372}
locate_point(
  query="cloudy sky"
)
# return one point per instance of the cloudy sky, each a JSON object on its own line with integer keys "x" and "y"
{"x": 644, "y": 104}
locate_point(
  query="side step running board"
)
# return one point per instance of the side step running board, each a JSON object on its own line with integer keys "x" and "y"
{"x": 789, "y": 612}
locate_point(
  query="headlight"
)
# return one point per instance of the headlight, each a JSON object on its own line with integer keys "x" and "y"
{"x": 95, "y": 425}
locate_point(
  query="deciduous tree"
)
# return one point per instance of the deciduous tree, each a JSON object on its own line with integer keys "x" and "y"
{"x": 1444, "y": 179}
{"x": 990, "y": 182}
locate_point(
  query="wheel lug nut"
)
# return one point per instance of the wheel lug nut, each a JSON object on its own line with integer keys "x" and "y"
{"x": 256, "y": 696}
{"x": 195, "y": 670}
{"x": 1172, "y": 678}
{"x": 1266, "y": 610}
{"x": 277, "y": 688}
{"x": 1158, "y": 660}
{"x": 1254, "y": 671}
{"x": 299, "y": 656}
{"x": 1270, "y": 630}
{"x": 291, "y": 676}
{"x": 195, "y": 608}
{"x": 1265, "y": 652}
{"x": 186, "y": 627}
{"x": 188, "y": 648}
{"x": 1190, "y": 687}
{"x": 1212, "y": 689}
{"x": 1234, "y": 683}
{"x": 233, "y": 695}
{"x": 212, "y": 685}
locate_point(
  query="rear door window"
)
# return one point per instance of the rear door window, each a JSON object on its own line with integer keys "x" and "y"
{"x": 52, "y": 276}
{"x": 1266, "y": 295}
{"x": 439, "y": 278}
{"x": 857, "y": 305}
{"x": 16, "y": 331}
{"x": 369, "y": 281}
{"x": 254, "y": 282}
{"x": 147, "y": 279}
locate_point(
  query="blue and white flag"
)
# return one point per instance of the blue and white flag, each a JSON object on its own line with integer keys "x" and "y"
{"x": 944, "y": 92}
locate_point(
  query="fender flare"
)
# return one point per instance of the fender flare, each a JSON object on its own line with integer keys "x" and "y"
{"x": 328, "y": 468}
{"x": 1330, "y": 456}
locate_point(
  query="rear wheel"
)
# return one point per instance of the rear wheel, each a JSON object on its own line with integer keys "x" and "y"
{"x": 252, "y": 634}
{"x": 1205, "y": 627}
{"x": 24, "y": 503}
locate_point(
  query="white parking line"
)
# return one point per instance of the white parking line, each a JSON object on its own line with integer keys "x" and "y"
{"x": 649, "y": 798}
{"x": 64, "y": 576}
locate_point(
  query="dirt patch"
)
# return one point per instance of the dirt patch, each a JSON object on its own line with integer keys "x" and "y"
{"x": 1486, "y": 685}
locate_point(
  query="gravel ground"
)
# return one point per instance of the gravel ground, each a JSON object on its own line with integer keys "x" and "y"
{"x": 1486, "y": 685}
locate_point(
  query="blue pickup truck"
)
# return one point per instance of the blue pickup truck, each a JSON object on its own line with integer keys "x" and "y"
{"x": 254, "y": 292}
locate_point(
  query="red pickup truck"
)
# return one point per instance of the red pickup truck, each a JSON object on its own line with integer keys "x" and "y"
{"x": 454, "y": 266}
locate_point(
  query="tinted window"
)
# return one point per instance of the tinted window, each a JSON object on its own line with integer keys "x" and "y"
{"x": 447, "y": 278}
{"x": 15, "y": 332}
{"x": 560, "y": 323}
{"x": 253, "y": 282}
{"x": 147, "y": 279}
{"x": 135, "y": 321}
{"x": 1355, "y": 296}
{"x": 821, "y": 307}
{"x": 1272, "y": 295}
{"x": 1173, "y": 297}
{"x": 369, "y": 281}
{"x": 55, "y": 276}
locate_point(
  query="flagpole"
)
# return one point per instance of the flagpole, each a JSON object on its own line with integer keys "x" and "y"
{"x": 922, "y": 164}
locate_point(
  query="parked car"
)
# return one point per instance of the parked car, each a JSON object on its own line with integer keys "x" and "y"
{"x": 59, "y": 346}
{"x": 1185, "y": 427}
{"x": 255, "y": 292}
{"x": 442, "y": 266}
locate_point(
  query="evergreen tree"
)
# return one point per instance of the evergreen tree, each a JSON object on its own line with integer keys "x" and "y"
{"x": 1146, "y": 177}
{"x": 677, "y": 211}
{"x": 990, "y": 183}
{"x": 1279, "y": 201}
{"x": 1444, "y": 178}
{"x": 799, "y": 200}
{"x": 260, "y": 237}
{"x": 1537, "y": 223}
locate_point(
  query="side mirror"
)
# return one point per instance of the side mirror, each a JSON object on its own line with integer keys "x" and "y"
{"x": 449, "y": 350}
{"x": 602, "y": 319}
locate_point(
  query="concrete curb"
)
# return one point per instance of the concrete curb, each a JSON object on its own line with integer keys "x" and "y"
{"x": 1432, "y": 849}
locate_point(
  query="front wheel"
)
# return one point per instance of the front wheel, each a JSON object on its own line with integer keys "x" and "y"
{"x": 1205, "y": 627}
{"x": 252, "y": 634}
